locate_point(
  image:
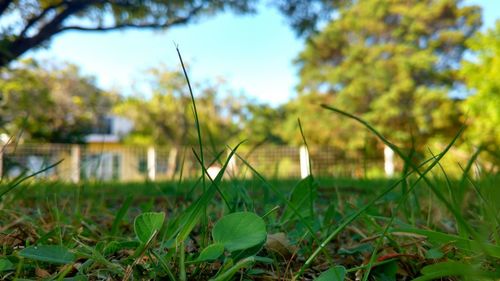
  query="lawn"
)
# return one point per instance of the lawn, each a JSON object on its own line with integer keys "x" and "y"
{"x": 253, "y": 229}
{"x": 422, "y": 225}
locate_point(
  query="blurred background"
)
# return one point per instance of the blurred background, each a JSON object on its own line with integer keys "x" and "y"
{"x": 99, "y": 84}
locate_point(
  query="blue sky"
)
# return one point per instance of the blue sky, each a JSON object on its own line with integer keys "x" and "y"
{"x": 253, "y": 53}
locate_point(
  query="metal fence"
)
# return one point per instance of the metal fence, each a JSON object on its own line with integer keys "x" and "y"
{"x": 114, "y": 162}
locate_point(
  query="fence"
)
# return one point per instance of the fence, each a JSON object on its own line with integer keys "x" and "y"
{"x": 126, "y": 163}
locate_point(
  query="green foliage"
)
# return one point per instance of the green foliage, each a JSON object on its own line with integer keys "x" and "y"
{"x": 240, "y": 231}
{"x": 148, "y": 224}
{"x": 5, "y": 265}
{"x": 211, "y": 252}
{"x": 48, "y": 253}
{"x": 453, "y": 268}
{"x": 302, "y": 198}
{"x": 76, "y": 104}
{"x": 166, "y": 118}
{"x": 389, "y": 62}
{"x": 333, "y": 274}
{"x": 480, "y": 75}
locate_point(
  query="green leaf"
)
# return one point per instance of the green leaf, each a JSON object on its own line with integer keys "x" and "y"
{"x": 48, "y": 253}
{"x": 454, "y": 268}
{"x": 146, "y": 224}
{"x": 434, "y": 253}
{"x": 240, "y": 231}
{"x": 302, "y": 198}
{"x": 5, "y": 265}
{"x": 333, "y": 274}
{"x": 211, "y": 253}
{"x": 385, "y": 272}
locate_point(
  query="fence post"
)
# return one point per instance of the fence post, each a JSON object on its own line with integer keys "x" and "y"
{"x": 305, "y": 170}
{"x": 151, "y": 163}
{"x": 388, "y": 161}
{"x": 1, "y": 162}
{"x": 75, "y": 163}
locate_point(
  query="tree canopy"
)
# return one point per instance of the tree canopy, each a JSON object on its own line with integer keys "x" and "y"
{"x": 481, "y": 76}
{"x": 51, "y": 103}
{"x": 391, "y": 63}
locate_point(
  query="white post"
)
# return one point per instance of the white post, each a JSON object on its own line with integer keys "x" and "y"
{"x": 1, "y": 162}
{"x": 232, "y": 169}
{"x": 305, "y": 170}
{"x": 151, "y": 163}
{"x": 75, "y": 163}
{"x": 388, "y": 161}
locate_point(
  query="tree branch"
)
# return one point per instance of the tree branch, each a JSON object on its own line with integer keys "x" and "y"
{"x": 31, "y": 22}
{"x": 4, "y": 4}
{"x": 20, "y": 45}
{"x": 177, "y": 21}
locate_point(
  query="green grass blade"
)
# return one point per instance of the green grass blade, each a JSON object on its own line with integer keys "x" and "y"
{"x": 120, "y": 215}
{"x": 18, "y": 181}
{"x": 196, "y": 210}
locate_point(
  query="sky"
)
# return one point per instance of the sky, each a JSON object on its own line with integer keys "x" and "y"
{"x": 253, "y": 53}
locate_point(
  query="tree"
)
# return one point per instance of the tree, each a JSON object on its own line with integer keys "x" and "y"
{"x": 29, "y": 24}
{"x": 52, "y": 104}
{"x": 391, "y": 63}
{"x": 166, "y": 118}
{"x": 260, "y": 123}
{"x": 481, "y": 76}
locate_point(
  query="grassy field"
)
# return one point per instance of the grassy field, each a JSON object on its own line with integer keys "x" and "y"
{"x": 322, "y": 229}
{"x": 420, "y": 226}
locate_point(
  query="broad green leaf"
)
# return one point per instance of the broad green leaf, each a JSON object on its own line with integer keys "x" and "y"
{"x": 240, "y": 231}
{"x": 5, "y": 265}
{"x": 48, "y": 253}
{"x": 146, "y": 224}
{"x": 211, "y": 253}
{"x": 333, "y": 274}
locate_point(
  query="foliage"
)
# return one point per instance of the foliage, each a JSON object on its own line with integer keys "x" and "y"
{"x": 30, "y": 89}
{"x": 480, "y": 75}
{"x": 165, "y": 117}
{"x": 390, "y": 62}
{"x": 261, "y": 123}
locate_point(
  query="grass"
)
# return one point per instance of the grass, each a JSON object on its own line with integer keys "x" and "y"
{"x": 95, "y": 223}
{"x": 424, "y": 225}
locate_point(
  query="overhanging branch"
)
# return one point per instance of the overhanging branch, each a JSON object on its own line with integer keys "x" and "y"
{"x": 154, "y": 25}
{"x": 4, "y": 4}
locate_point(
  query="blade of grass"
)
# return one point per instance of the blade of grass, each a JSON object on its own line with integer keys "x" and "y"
{"x": 195, "y": 211}
{"x": 18, "y": 181}
{"x": 402, "y": 202}
{"x": 214, "y": 183}
{"x": 119, "y": 216}
{"x": 349, "y": 220}
{"x": 284, "y": 200}
{"x": 456, "y": 213}
{"x": 195, "y": 112}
